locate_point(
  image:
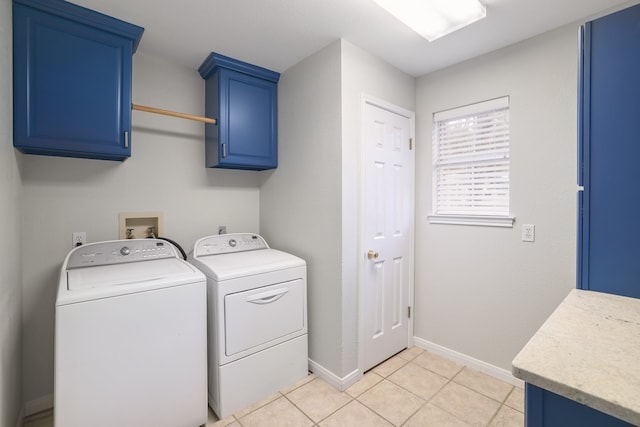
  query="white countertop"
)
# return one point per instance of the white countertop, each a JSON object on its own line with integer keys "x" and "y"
{"x": 588, "y": 350}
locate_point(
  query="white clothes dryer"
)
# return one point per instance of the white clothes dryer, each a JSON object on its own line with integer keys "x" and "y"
{"x": 257, "y": 319}
{"x": 130, "y": 337}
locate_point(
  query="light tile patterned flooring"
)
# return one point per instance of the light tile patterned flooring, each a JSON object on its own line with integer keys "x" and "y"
{"x": 414, "y": 388}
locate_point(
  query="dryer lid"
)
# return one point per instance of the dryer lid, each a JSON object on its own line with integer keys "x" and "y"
{"x": 240, "y": 264}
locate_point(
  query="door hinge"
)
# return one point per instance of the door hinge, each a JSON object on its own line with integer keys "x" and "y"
{"x": 410, "y": 143}
{"x": 409, "y": 312}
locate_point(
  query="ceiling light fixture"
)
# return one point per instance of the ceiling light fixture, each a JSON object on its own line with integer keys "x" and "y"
{"x": 433, "y": 19}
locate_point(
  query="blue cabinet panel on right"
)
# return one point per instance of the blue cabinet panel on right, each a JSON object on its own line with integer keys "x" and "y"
{"x": 609, "y": 248}
{"x": 243, "y": 100}
{"x": 546, "y": 409}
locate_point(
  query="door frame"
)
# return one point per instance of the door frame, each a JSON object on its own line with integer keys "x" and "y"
{"x": 362, "y": 262}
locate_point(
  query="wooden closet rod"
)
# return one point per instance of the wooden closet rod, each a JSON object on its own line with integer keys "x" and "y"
{"x": 173, "y": 114}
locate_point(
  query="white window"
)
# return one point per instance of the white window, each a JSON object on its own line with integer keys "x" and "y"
{"x": 471, "y": 164}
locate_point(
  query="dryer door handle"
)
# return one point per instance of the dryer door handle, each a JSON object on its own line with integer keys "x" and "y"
{"x": 267, "y": 297}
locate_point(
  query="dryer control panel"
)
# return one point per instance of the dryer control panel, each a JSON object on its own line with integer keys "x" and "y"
{"x": 119, "y": 251}
{"x": 229, "y": 243}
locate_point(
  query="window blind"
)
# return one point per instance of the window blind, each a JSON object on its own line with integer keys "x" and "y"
{"x": 471, "y": 159}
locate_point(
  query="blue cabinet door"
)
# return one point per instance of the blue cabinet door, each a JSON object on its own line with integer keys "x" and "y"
{"x": 72, "y": 81}
{"x": 609, "y": 240}
{"x": 243, "y": 100}
{"x": 247, "y": 122}
{"x": 546, "y": 409}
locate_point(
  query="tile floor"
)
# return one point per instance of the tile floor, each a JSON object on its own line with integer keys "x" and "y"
{"x": 413, "y": 388}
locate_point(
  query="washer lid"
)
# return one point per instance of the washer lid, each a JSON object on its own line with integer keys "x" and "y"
{"x": 239, "y": 264}
{"x": 106, "y": 281}
{"x": 126, "y": 274}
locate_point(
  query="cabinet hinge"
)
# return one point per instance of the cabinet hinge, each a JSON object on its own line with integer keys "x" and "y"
{"x": 410, "y": 143}
{"x": 409, "y": 312}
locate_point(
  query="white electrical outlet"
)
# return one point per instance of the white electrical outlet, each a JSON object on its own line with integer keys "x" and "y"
{"x": 78, "y": 238}
{"x": 528, "y": 233}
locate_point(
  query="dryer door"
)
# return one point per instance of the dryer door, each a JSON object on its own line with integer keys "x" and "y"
{"x": 259, "y": 316}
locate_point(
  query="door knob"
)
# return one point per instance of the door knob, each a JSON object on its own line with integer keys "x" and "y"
{"x": 372, "y": 254}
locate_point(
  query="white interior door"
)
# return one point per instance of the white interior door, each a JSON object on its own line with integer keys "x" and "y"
{"x": 387, "y": 215}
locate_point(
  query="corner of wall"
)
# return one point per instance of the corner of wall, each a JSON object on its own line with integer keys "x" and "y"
{"x": 11, "y": 377}
{"x": 300, "y": 200}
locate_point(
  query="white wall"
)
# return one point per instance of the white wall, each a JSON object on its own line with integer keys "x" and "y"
{"x": 309, "y": 205}
{"x": 481, "y": 291}
{"x": 300, "y": 201}
{"x": 165, "y": 173}
{"x": 10, "y": 244}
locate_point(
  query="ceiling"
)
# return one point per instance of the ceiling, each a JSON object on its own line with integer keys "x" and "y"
{"x": 277, "y": 34}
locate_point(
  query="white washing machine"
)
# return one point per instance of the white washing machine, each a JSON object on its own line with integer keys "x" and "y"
{"x": 130, "y": 337}
{"x": 257, "y": 319}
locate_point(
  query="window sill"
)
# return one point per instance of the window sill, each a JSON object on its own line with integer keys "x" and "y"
{"x": 479, "y": 220}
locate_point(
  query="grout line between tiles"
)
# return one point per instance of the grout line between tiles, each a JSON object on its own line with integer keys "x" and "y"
{"x": 351, "y": 398}
{"x": 507, "y": 398}
{"x": 483, "y": 394}
{"x": 303, "y": 412}
{"x": 470, "y": 389}
{"x": 426, "y": 401}
{"x": 449, "y": 380}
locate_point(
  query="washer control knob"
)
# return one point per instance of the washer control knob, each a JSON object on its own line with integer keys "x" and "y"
{"x": 232, "y": 243}
{"x": 124, "y": 251}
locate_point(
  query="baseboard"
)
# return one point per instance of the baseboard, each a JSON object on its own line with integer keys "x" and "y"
{"x": 463, "y": 359}
{"x": 38, "y": 405}
{"x": 339, "y": 383}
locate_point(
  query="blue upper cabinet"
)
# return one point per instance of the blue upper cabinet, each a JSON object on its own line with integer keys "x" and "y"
{"x": 243, "y": 100}
{"x": 72, "y": 80}
{"x": 609, "y": 151}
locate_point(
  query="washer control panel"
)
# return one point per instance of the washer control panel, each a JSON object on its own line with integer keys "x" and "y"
{"x": 229, "y": 243}
{"x": 119, "y": 251}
